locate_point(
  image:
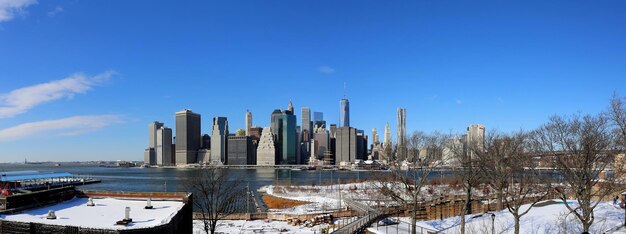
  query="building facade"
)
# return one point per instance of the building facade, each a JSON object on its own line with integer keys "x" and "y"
{"x": 266, "y": 150}
{"x": 241, "y": 151}
{"x": 344, "y": 113}
{"x": 164, "y": 147}
{"x": 219, "y": 140}
{"x": 187, "y": 137}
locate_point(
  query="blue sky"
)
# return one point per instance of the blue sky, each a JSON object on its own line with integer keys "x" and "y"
{"x": 80, "y": 80}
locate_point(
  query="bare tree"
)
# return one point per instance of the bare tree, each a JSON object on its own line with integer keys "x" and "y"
{"x": 508, "y": 167}
{"x": 579, "y": 147}
{"x": 405, "y": 187}
{"x": 217, "y": 194}
{"x": 617, "y": 115}
{"x": 465, "y": 156}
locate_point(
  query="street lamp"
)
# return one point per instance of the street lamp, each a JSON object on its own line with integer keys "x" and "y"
{"x": 493, "y": 223}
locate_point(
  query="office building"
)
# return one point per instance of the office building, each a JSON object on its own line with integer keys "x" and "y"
{"x": 266, "y": 150}
{"x": 283, "y": 126}
{"x": 346, "y": 145}
{"x": 475, "y": 140}
{"x": 187, "y": 137}
{"x": 219, "y": 141}
{"x": 206, "y": 142}
{"x": 150, "y": 155}
{"x": 164, "y": 146}
{"x": 344, "y": 114}
{"x": 321, "y": 139}
{"x": 375, "y": 139}
{"x": 307, "y": 124}
{"x": 241, "y": 151}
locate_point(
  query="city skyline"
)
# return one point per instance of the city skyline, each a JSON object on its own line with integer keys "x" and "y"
{"x": 88, "y": 90}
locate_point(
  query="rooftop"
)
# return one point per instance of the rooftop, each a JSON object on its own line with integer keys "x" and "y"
{"x": 104, "y": 215}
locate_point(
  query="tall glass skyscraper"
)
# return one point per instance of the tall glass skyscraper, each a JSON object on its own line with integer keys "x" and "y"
{"x": 344, "y": 114}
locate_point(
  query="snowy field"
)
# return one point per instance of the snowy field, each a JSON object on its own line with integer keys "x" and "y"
{"x": 546, "y": 219}
{"x": 104, "y": 215}
{"x": 257, "y": 226}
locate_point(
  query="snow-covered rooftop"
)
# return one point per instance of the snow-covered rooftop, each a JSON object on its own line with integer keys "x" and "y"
{"x": 103, "y": 215}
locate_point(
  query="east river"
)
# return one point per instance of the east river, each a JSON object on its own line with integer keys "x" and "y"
{"x": 170, "y": 179}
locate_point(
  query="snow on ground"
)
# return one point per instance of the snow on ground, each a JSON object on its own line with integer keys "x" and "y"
{"x": 321, "y": 198}
{"x": 104, "y": 215}
{"x": 256, "y": 226}
{"x": 545, "y": 219}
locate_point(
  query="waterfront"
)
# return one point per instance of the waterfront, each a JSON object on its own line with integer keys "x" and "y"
{"x": 172, "y": 179}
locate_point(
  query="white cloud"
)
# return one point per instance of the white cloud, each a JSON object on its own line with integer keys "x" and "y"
{"x": 23, "y": 99}
{"x": 9, "y": 8}
{"x": 71, "y": 126}
{"x": 326, "y": 70}
{"x": 55, "y": 11}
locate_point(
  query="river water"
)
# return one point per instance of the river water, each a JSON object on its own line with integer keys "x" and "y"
{"x": 172, "y": 180}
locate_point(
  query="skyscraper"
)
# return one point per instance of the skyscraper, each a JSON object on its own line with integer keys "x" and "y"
{"x": 283, "y": 126}
{"x": 219, "y": 140}
{"x": 344, "y": 114}
{"x": 187, "y": 136}
{"x": 351, "y": 145}
{"x": 241, "y": 151}
{"x": 387, "y": 138}
{"x": 307, "y": 125}
{"x": 248, "y": 122}
{"x": 290, "y": 107}
{"x": 475, "y": 138}
{"x": 318, "y": 120}
{"x": 164, "y": 146}
{"x": 346, "y": 145}
{"x": 402, "y": 148}
{"x": 375, "y": 139}
{"x": 266, "y": 151}
{"x": 150, "y": 153}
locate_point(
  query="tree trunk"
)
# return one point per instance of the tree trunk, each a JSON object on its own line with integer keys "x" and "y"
{"x": 517, "y": 218}
{"x": 586, "y": 226}
{"x": 414, "y": 219}
{"x": 463, "y": 223}
{"x": 499, "y": 197}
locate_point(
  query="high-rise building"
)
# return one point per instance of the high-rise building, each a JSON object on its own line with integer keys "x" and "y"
{"x": 150, "y": 155}
{"x": 241, "y": 151}
{"x": 307, "y": 124}
{"x": 164, "y": 146}
{"x": 248, "y": 122}
{"x": 351, "y": 145}
{"x": 333, "y": 130}
{"x": 375, "y": 139}
{"x": 206, "y": 142}
{"x": 344, "y": 114}
{"x": 387, "y": 138}
{"x": 219, "y": 143}
{"x": 386, "y": 151}
{"x": 290, "y": 107}
{"x": 402, "y": 147}
{"x": 452, "y": 149}
{"x": 318, "y": 120}
{"x": 266, "y": 150}
{"x": 321, "y": 140}
{"x": 475, "y": 138}
{"x": 187, "y": 137}
{"x": 283, "y": 126}
{"x": 318, "y": 116}
{"x": 152, "y": 129}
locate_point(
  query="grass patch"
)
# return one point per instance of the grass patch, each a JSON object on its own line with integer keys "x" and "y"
{"x": 280, "y": 203}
